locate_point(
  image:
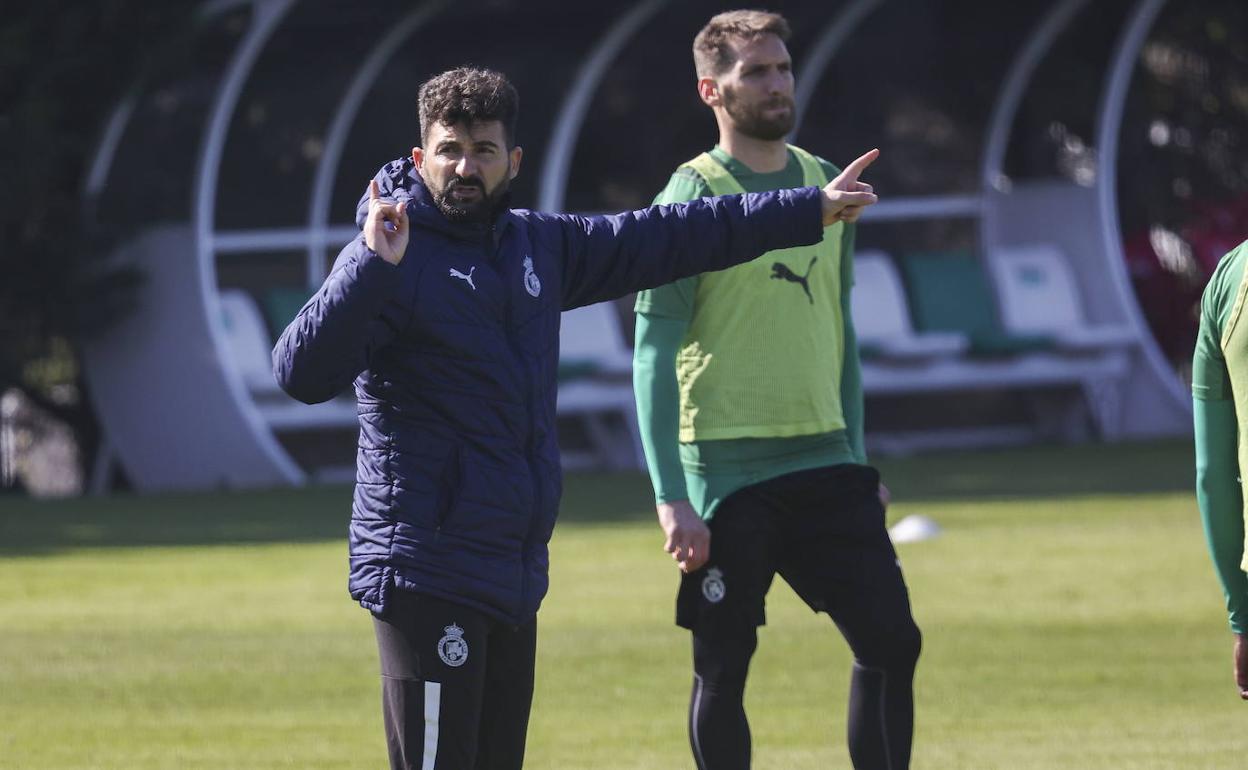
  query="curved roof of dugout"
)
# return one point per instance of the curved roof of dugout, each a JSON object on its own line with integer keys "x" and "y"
{"x": 241, "y": 162}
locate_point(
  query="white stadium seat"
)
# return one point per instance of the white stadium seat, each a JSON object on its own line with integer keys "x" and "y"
{"x": 250, "y": 349}
{"x": 1039, "y": 296}
{"x": 590, "y": 337}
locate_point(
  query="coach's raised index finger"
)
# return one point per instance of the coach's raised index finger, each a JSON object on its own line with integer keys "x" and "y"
{"x": 855, "y": 169}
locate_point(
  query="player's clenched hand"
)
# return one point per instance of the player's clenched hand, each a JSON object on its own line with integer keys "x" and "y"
{"x": 1241, "y": 664}
{"x": 388, "y": 242}
{"x": 688, "y": 538}
{"x": 845, "y": 197}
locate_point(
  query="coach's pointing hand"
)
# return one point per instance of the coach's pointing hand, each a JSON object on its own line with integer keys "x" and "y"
{"x": 845, "y": 197}
{"x": 688, "y": 537}
{"x": 389, "y": 243}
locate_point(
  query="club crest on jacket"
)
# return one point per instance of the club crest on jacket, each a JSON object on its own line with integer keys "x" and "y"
{"x": 531, "y": 282}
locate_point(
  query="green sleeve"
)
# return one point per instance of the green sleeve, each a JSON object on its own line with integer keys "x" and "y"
{"x": 1219, "y": 493}
{"x": 675, "y": 300}
{"x": 852, "y": 408}
{"x": 851, "y": 372}
{"x": 851, "y": 369}
{"x": 658, "y": 339}
{"x": 663, "y": 315}
{"x": 1210, "y": 379}
{"x": 1220, "y": 498}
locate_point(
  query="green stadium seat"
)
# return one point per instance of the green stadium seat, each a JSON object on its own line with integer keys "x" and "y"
{"x": 281, "y": 305}
{"x": 882, "y": 318}
{"x": 949, "y": 292}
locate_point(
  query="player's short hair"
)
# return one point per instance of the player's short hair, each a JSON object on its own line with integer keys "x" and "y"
{"x": 469, "y": 95}
{"x": 712, "y": 48}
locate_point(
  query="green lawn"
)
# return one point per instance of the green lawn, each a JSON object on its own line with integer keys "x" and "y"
{"x": 1071, "y": 620}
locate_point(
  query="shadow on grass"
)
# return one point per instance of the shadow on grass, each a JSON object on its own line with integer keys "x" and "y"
{"x": 319, "y": 514}
{"x": 1044, "y": 472}
{"x": 315, "y": 514}
{"x": 1021, "y": 472}
{"x": 31, "y": 527}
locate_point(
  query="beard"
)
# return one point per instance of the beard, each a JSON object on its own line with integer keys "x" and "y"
{"x": 480, "y": 211}
{"x": 751, "y": 121}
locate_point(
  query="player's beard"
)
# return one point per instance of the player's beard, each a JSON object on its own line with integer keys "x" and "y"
{"x": 481, "y": 210}
{"x": 751, "y": 120}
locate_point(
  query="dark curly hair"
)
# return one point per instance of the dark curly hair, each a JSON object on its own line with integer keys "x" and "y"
{"x": 469, "y": 95}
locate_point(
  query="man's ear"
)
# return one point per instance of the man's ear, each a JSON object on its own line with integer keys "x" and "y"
{"x": 514, "y": 161}
{"x": 708, "y": 90}
{"x": 418, "y": 157}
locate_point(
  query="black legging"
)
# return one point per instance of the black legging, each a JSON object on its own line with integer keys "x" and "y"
{"x": 881, "y": 702}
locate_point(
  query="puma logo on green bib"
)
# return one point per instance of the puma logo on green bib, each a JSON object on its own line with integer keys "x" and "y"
{"x": 781, "y": 270}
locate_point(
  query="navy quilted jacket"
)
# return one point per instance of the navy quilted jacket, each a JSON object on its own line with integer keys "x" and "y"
{"x": 454, "y": 353}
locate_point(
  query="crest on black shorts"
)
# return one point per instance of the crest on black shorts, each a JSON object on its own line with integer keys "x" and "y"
{"x": 713, "y": 585}
{"x": 452, "y": 648}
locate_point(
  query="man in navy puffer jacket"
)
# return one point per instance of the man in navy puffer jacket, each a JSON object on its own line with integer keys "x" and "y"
{"x": 445, "y": 314}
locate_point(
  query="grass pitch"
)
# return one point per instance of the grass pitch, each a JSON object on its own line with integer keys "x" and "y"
{"x": 1070, "y": 613}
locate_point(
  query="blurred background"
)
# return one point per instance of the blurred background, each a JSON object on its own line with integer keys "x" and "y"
{"x": 1058, "y": 180}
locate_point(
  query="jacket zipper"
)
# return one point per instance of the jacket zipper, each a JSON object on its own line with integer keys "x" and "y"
{"x": 531, "y": 449}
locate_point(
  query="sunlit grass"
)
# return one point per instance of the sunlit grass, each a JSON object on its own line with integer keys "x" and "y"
{"x": 1070, "y": 621}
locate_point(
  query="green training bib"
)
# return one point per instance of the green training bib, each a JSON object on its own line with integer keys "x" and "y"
{"x": 763, "y": 353}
